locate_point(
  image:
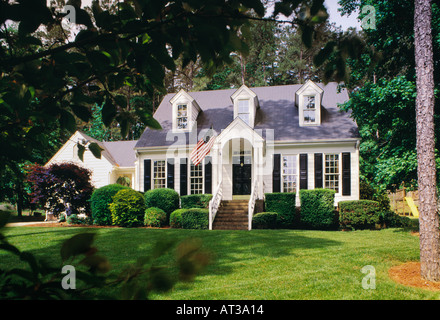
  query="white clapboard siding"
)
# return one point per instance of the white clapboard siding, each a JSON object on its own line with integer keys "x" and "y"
{"x": 101, "y": 168}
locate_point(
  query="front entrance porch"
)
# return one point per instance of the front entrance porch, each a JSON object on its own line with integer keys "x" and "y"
{"x": 237, "y": 156}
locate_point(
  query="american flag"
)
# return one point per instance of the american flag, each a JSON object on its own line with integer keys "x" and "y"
{"x": 202, "y": 148}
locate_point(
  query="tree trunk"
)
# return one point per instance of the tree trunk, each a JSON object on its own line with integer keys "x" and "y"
{"x": 429, "y": 221}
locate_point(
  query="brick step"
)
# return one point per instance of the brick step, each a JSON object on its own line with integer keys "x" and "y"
{"x": 233, "y": 206}
{"x": 233, "y": 212}
{"x": 231, "y": 219}
{"x": 230, "y": 227}
{"x": 232, "y": 215}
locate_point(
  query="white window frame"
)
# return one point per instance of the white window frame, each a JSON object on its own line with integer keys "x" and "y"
{"x": 244, "y": 93}
{"x": 248, "y": 113}
{"x": 153, "y": 164}
{"x": 202, "y": 166}
{"x": 338, "y": 174}
{"x": 307, "y": 109}
{"x": 295, "y": 167}
{"x": 182, "y": 117}
{"x": 309, "y": 89}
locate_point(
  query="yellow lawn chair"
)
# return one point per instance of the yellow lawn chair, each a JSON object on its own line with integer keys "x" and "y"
{"x": 412, "y": 206}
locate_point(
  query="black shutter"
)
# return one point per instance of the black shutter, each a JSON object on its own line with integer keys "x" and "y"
{"x": 147, "y": 175}
{"x": 303, "y": 171}
{"x": 318, "y": 170}
{"x": 170, "y": 173}
{"x": 346, "y": 174}
{"x": 276, "y": 174}
{"x": 183, "y": 176}
{"x": 208, "y": 175}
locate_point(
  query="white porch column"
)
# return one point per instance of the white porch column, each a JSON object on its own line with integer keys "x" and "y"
{"x": 216, "y": 164}
{"x": 259, "y": 167}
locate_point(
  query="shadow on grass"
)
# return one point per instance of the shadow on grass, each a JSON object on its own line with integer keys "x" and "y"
{"x": 230, "y": 250}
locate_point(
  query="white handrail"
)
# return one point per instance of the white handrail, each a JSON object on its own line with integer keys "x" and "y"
{"x": 214, "y": 203}
{"x": 251, "y": 205}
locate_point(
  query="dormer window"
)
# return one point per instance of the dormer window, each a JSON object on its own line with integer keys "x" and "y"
{"x": 309, "y": 104}
{"x": 245, "y": 105}
{"x": 243, "y": 110}
{"x": 185, "y": 111}
{"x": 182, "y": 116}
{"x": 310, "y": 109}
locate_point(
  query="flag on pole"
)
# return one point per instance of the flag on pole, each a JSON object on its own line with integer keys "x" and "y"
{"x": 202, "y": 148}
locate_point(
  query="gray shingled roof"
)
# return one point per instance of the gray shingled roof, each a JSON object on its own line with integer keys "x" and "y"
{"x": 122, "y": 152}
{"x": 277, "y": 111}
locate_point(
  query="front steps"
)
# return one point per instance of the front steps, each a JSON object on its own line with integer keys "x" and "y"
{"x": 232, "y": 215}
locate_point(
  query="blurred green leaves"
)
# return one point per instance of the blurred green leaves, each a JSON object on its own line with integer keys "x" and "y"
{"x": 38, "y": 280}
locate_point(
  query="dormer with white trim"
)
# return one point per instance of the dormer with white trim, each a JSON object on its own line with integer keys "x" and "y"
{"x": 246, "y": 104}
{"x": 185, "y": 110}
{"x": 309, "y": 98}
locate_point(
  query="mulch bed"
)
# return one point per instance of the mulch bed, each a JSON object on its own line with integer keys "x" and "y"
{"x": 408, "y": 274}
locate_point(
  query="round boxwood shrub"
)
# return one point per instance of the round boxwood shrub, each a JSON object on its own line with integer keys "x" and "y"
{"x": 265, "y": 220}
{"x": 128, "y": 208}
{"x": 195, "y": 218}
{"x": 155, "y": 217}
{"x": 100, "y": 201}
{"x": 163, "y": 198}
{"x": 176, "y": 218}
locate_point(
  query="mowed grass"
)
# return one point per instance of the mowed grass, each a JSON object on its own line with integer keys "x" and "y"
{"x": 257, "y": 264}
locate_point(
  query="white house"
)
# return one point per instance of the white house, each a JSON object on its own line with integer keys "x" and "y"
{"x": 117, "y": 159}
{"x": 267, "y": 139}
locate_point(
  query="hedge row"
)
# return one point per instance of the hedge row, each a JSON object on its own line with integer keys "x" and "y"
{"x": 119, "y": 205}
{"x": 122, "y": 206}
{"x": 317, "y": 211}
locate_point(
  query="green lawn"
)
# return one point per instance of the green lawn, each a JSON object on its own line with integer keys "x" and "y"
{"x": 260, "y": 264}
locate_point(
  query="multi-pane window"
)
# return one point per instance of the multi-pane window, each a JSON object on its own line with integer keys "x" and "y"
{"x": 289, "y": 173}
{"x": 182, "y": 116}
{"x": 159, "y": 174}
{"x": 310, "y": 109}
{"x": 243, "y": 110}
{"x": 331, "y": 173}
{"x": 196, "y": 179}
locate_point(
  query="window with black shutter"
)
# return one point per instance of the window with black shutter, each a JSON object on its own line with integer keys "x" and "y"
{"x": 208, "y": 175}
{"x": 147, "y": 175}
{"x": 170, "y": 173}
{"x": 183, "y": 176}
{"x": 318, "y": 170}
{"x": 276, "y": 174}
{"x": 303, "y": 171}
{"x": 346, "y": 174}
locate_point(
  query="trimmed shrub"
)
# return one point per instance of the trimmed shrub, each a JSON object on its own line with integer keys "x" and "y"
{"x": 195, "y": 218}
{"x": 163, "y": 198}
{"x": 128, "y": 208}
{"x": 317, "y": 209}
{"x": 283, "y": 203}
{"x": 155, "y": 217}
{"x": 359, "y": 214}
{"x": 265, "y": 220}
{"x": 195, "y": 201}
{"x": 100, "y": 201}
{"x": 176, "y": 218}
